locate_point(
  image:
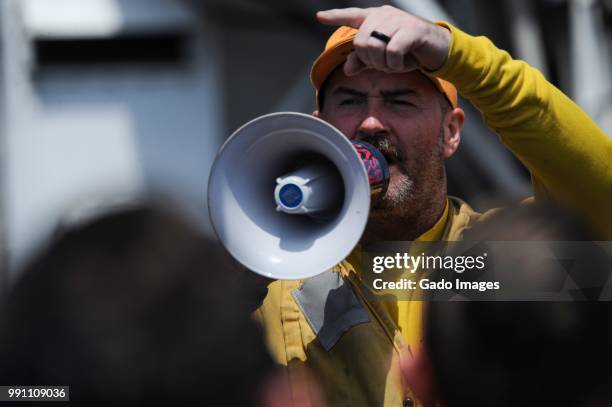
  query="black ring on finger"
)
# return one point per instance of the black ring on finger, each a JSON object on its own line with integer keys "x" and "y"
{"x": 380, "y": 36}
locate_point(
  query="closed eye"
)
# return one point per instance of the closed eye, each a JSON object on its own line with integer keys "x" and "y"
{"x": 399, "y": 102}
{"x": 351, "y": 101}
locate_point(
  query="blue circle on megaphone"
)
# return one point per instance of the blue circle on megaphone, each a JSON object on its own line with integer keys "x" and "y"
{"x": 290, "y": 196}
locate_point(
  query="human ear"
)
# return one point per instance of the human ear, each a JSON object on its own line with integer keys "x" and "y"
{"x": 453, "y": 123}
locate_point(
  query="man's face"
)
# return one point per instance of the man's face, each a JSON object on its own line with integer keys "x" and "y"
{"x": 401, "y": 115}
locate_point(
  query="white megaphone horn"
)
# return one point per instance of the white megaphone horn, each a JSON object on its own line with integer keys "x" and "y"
{"x": 289, "y": 195}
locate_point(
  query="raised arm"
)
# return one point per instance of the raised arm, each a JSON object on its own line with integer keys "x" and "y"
{"x": 568, "y": 155}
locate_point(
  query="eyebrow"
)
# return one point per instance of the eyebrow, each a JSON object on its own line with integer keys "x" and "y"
{"x": 398, "y": 92}
{"x": 343, "y": 90}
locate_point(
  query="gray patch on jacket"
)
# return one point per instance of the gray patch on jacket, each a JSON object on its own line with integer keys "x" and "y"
{"x": 330, "y": 307}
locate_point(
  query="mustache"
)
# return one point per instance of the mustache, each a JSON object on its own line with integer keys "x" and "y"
{"x": 385, "y": 145}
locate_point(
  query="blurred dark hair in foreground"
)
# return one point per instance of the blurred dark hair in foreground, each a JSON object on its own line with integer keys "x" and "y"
{"x": 522, "y": 353}
{"x": 135, "y": 307}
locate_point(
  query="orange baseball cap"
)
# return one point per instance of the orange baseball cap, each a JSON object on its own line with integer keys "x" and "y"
{"x": 340, "y": 45}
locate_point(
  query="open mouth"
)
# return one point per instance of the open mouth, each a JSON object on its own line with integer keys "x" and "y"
{"x": 389, "y": 153}
{"x": 389, "y": 157}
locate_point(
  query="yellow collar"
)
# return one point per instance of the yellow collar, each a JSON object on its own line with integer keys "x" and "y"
{"x": 435, "y": 233}
{"x": 437, "y": 230}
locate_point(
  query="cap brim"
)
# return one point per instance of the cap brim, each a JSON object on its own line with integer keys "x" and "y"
{"x": 329, "y": 60}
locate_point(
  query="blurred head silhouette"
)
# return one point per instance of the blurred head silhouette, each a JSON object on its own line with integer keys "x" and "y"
{"x": 517, "y": 353}
{"x": 135, "y": 307}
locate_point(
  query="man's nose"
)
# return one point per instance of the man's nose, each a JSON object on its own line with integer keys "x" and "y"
{"x": 372, "y": 125}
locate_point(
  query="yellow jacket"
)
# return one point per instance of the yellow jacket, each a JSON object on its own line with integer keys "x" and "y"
{"x": 570, "y": 159}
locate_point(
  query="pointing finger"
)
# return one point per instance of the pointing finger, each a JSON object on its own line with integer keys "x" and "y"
{"x": 352, "y": 16}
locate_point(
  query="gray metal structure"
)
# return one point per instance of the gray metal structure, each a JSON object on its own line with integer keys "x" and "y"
{"x": 103, "y": 100}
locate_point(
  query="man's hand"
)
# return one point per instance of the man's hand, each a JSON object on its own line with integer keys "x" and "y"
{"x": 414, "y": 42}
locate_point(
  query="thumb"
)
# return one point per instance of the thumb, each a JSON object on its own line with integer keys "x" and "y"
{"x": 352, "y": 16}
{"x": 353, "y": 65}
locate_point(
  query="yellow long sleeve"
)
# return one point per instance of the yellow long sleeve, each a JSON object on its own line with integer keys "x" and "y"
{"x": 568, "y": 155}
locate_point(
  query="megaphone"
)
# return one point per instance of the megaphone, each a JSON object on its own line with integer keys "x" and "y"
{"x": 289, "y": 195}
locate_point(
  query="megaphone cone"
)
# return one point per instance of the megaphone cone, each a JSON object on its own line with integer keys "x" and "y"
{"x": 262, "y": 174}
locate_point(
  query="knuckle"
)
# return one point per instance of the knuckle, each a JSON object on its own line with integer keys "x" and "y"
{"x": 374, "y": 45}
{"x": 394, "y": 51}
{"x": 360, "y": 43}
{"x": 405, "y": 38}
